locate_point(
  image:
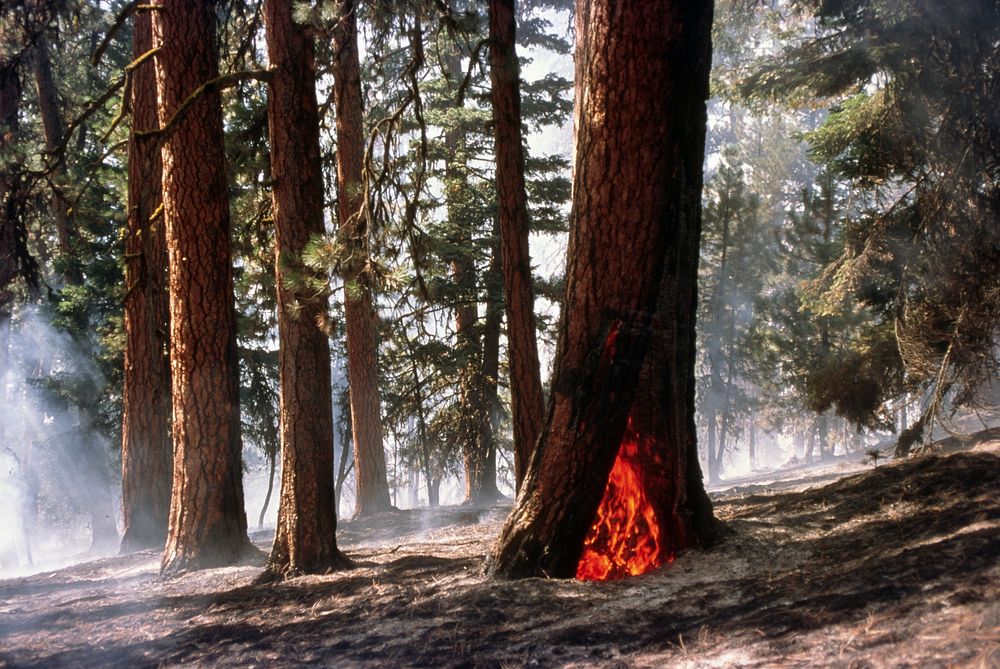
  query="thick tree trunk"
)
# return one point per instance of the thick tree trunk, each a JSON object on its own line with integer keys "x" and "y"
{"x": 631, "y": 282}
{"x": 208, "y": 525}
{"x": 527, "y": 410}
{"x": 305, "y": 537}
{"x": 359, "y": 310}
{"x": 146, "y": 446}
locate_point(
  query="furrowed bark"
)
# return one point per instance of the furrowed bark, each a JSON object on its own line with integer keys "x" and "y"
{"x": 146, "y": 447}
{"x": 359, "y": 310}
{"x": 305, "y": 537}
{"x": 527, "y": 404}
{"x": 626, "y": 335}
{"x": 207, "y": 526}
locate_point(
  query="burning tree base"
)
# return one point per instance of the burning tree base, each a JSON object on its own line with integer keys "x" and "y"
{"x": 627, "y": 537}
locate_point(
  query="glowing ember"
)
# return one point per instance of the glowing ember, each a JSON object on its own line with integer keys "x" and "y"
{"x": 625, "y": 537}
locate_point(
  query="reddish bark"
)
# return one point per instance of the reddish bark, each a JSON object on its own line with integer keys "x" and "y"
{"x": 527, "y": 410}
{"x": 305, "y": 538}
{"x": 626, "y": 337}
{"x": 360, "y": 317}
{"x": 207, "y": 524}
{"x": 146, "y": 447}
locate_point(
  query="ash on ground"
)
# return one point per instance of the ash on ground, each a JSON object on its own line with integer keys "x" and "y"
{"x": 895, "y": 566}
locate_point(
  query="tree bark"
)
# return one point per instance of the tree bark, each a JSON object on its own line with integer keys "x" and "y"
{"x": 146, "y": 447}
{"x": 527, "y": 408}
{"x": 628, "y": 319}
{"x": 360, "y": 317}
{"x": 489, "y": 379}
{"x": 10, "y": 97}
{"x": 54, "y": 128}
{"x": 207, "y": 526}
{"x": 305, "y": 537}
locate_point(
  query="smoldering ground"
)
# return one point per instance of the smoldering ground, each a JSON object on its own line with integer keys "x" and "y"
{"x": 891, "y": 567}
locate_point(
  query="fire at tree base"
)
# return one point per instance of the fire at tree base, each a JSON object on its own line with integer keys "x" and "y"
{"x": 627, "y": 537}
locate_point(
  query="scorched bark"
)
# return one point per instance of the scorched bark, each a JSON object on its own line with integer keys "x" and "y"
{"x": 641, "y": 88}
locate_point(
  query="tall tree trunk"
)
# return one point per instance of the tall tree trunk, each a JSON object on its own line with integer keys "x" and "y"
{"x": 713, "y": 452}
{"x": 105, "y": 533}
{"x": 489, "y": 378}
{"x": 626, "y": 335}
{"x": 468, "y": 343}
{"x": 208, "y": 524}
{"x": 527, "y": 410}
{"x": 823, "y": 433}
{"x": 272, "y": 465}
{"x": 359, "y": 309}
{"x": 305, "y": 538}
{"x": 10, "y": 97}
{"x": 146, "y": 447}
{"x": 54, "y": 128}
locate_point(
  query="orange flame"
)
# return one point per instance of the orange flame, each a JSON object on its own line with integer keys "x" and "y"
{"x": 625, "y": 537}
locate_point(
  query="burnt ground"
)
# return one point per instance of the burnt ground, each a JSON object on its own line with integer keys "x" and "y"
{"x": 896, "y": 566}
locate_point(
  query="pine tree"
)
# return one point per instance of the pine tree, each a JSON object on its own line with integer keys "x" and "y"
{"x": 525, "y": 374}
{"x": 207, "y": 519}
{"x": 359, "y": 310}
{"x": 146, "y": 445}
{"x": 626, "y": 342}
{"x": 305, "y": 538}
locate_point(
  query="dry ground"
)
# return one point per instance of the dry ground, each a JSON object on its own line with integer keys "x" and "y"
{"x": 897, "y": 566}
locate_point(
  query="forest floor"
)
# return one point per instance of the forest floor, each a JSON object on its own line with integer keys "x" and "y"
{"x": 895, "y": 566}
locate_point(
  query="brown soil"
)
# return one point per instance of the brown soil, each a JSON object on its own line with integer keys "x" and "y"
{"x": 897, "y": 566}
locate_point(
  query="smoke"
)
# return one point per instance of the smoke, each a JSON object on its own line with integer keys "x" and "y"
{"x": 58, "y": 487}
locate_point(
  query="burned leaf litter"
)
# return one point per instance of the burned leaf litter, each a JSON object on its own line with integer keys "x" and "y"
{"x": 896, "y": 566}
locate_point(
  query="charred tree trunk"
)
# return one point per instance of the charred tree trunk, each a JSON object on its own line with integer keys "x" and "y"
{"x": 527, "y": 410}
{"x": 208, "y": 524}
{"x": 631, "y": 286}
{"x": 53, "y": 128}
{"x": 305, "y": 537}
{"x": 146, "y": 447}
{"x": 344, "y": 466}
{"x": 359, "y": 309}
